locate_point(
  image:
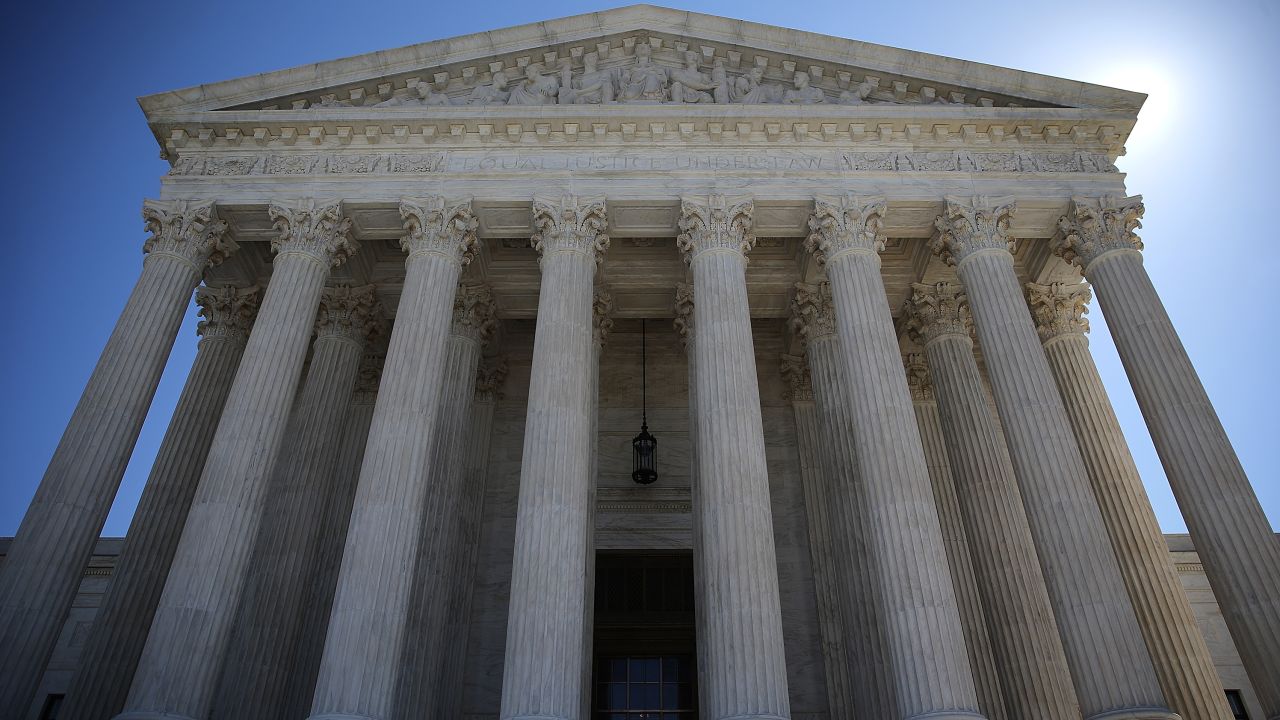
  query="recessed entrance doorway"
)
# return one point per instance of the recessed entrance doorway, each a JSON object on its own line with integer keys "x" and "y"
{"x": 644, "y": 649}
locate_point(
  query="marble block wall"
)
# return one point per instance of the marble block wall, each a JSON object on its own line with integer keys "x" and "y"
{"x": 656, "y": 517}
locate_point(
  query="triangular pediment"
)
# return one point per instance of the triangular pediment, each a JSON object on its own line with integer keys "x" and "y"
{"x": 638, "y": 55}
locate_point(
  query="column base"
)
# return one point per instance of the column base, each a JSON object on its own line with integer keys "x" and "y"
{"x": 1146, "y": 713}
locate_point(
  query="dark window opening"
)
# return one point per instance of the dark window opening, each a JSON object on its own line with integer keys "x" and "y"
{"x": 1236, "y": 701}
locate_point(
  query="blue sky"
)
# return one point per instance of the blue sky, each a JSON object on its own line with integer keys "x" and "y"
{"x": 79, "y": 159}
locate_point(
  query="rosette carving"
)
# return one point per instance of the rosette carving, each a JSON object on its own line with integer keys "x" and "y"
{"x": 475, "y": 312}
{"x": 570, "y": 223}
{"x": 813, "y": 313}
{"x": 1059, "y": 309}
{"x": 227, "y": 312}
{"x": 435, "y": 225}
{"x": 684, "y": 313}
{"x": 935, "y": 311}
{"x": 845, "y": 224}
{"x": 352, "y": 313}
{"x": 795, "y": 372}
{"x": 314, "y": 228}
{"x": 719, "y": 223}
{"x": 971, "y": 225}
{"x": 918, "y": 378}
{"x": 1094, "y": 227}
{"x": 190, "y": 231}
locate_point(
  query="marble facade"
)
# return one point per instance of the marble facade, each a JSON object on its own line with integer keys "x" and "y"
{"x": 407, "y": 432}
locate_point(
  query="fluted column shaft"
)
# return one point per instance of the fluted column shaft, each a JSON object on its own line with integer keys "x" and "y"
{"x": 1033, "y": 667}
{"x": 1178, "y": 649}
{"x": 822, "y": 547}
{"x": 1232, "y": 536}
{"x": 867, "y": 656}
{"x": 470, "y": 514}
{"x": 746, "y": 675}
{"x": 1109, "y": 663}
{"x": 986, "y": 675}
{"x": 362, "y": 653}
{"x": 178, "y": 670}
{"x": 424, "y": 649}
{"x": 918, "y": 603}
{"x": 337, "y": 517}
{"x": 41, "y": 573}
{"x": 120, "y": 628}
{"x": 255, "y": 677}
{"x": 542, "y": 676}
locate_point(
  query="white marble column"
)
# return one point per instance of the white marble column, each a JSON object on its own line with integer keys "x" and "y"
{"x": 42, "y": 571}
{"x": 823, "y": 547}
{"x": 119, "y": 630}
{"x": 425, "y": 641}
{"x": 917, "y": 601}
{"x": 1033, "y": 669}
{"x": 1109, "y": 663}
{"x": 542, "y": 675}
{"x": 489, "y": 378}
{"x": 337, "y": 516}
{"x": 1231, "y": 533}
{"x": 745, "y": 667}
{"x": 973, "y": 612}
{"x": 255, "y": 676}
{"x": 362, "y": 653}
{"x": 601, "y": 326}
{"x": 179, "y": 665}
{"x": 1178, "y": 649}
{"x": 867, "y": 656}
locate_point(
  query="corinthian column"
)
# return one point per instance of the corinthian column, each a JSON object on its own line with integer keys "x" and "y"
{"x": 542, "y": 676}
{"x": 1109, "y": 662}
{"x": 822, "y": 544}
{"x": 1178, "y": 650}
{"x": 119, "y": 630}
{"x": 362, "y": 652}
{"x": 746, "y": 675}
{"x": 179, "y": 667}
{"x": 1033, "y": 668}
{"x": 973, "y": 614}
{"x": 260, "y": 656}
{"x": 42, "y": 570}
{"x": 425, "y": 649}
{"x": 918, "y": 604}
{"x": 489, "y": 377}
{"x": 1231, "y": 533}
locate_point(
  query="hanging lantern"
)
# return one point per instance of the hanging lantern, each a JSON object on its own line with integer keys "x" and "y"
{"x": 644, "y": 448}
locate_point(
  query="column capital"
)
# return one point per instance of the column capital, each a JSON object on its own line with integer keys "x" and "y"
{"x": 845, "y": 224}
{"x": 369, "y": 375}
{"x": 475, "y": 313}
{"x": 935, "y": 311}
{"x": 1059, "y": 309}
{"x": 684, "y": 313}
{"x": 227, "y": 312}
{"x": 350, "y": 313}
{"x": 315, "y": 228}
{"x": 795, "y": 372}
{"x": 190, "y": 231}
{"x": 601, "y": 315}
{"x": 1094, "y": 227}
{"x": 438, "y": 226}
{"x": 972, "y": 225}
{"x": 490, "y": 376}
{"x": 570, "y": 224}
{"x": 813, "y": 314}
{"x": 716, "y": 223}
{"x": 918, "y": 378}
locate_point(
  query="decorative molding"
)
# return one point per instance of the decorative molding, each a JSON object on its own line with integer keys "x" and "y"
{"x": 717, "y": 223}
{"x": 795, "y": 373}
{"x": 435, "y": 225}
{"x": 1094, "y": 227}
{"x": 919, "y": 380}
{"x": 979, "y": 162}
{"x": 937, "y": 311}
{"x": 490, "y": 375}
{"x": 187, "y": 230}
{"x": 813, "y": 313}
{"x": 227, "y": 313}
{"x": 684, "y": 313}
{"x": 1059, "y": 309}
{"x": 973, "y": 225}
{"x": 845, "y": 224}
{"x": 369, "y": 374}
{"x": 315, "y": 228}
{"x": 475, "y": 313}
{"x": 601, "y": 315}
{"x": 571, "y": 224}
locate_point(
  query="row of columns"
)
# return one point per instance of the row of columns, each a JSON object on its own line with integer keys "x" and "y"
{"x": 1034, "y": 509}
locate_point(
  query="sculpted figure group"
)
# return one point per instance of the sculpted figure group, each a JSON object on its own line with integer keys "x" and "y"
{"x": 642, "y": 82}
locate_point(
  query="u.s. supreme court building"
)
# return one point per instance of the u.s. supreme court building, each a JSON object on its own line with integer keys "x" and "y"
{"x": 643, "y": 365}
